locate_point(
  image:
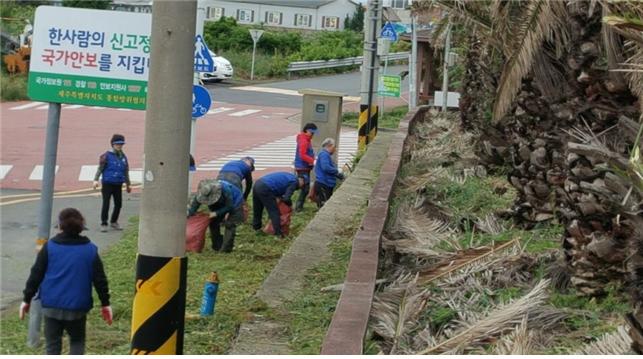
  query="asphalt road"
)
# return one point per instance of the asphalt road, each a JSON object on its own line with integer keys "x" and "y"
{"x": 348, "y": 83}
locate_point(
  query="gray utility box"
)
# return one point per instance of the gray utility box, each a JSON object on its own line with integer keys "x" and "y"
{"x": 324, "y": 109}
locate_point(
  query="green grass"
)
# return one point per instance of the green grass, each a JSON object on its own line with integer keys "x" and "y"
{"x": 13, "y": 87}
{"x": 390, "y": 119}
{"x": 266, "y": 66}
{"x": 241, "y": 273}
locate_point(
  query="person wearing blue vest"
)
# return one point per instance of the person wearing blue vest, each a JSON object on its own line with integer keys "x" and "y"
{"x": 326, "y": 172}
{"x": 237, "y": 171}
{"x": 270, "y": 188}
{"x": 64, "y": 271}
{"x": 114, "y": 168}
{"x": 225, "y": 201}
{"x": 304, "y": 160}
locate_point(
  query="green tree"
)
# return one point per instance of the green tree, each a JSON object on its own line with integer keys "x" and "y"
{"x": 88, "y": 4}
{"x": 356, "y": 22}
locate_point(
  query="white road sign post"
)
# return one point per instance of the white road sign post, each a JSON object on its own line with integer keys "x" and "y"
{"x": 256, "y": 35}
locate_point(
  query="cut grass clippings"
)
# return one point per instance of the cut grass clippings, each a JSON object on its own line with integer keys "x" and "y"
{"x": 241, "y": 274}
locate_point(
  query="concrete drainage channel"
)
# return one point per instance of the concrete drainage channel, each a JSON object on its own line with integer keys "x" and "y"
{"x": 348, "y": 327}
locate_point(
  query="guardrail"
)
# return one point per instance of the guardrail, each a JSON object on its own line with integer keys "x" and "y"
{"x": 347, "y": 329}
{"x": 325, "y": 64}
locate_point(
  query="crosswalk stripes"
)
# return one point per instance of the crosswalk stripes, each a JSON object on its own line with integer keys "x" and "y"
{"x": 4, "y": 169}
{"x": 244, "y": 113}
{"x": 25, "y": 106}
{"x": 220, "y": 110}
{"x": 280, "y": 153}
{"x": 36, "y": 174}
{"x": 87, "y": 173}
{"x": 36, "y": 105}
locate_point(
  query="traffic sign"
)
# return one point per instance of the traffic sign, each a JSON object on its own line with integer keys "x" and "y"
{"x": 255, "y": 34}
{"x": 390, "y": 85}
{"x": 201, "y": 101}
{"x": 90, "y": 57}
{"x": 388, "y": 32}
{"x": 203, "y": 62}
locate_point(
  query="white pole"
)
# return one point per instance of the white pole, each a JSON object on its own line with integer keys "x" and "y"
{"x": 252, "y": 67}
{"x": 413, "y": 65}
{"x": 445, "y": 70}
{"x": 200, "y": 19}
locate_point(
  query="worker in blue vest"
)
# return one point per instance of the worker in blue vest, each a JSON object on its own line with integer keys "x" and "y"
{"x": 63, "y": 274}
{"x": 114, "y": 168}
{"x": 270, "y": 188}
{"x": 237, "y": 171}
{"x": 326, "y": 172}
{"x": 225, "y": 201}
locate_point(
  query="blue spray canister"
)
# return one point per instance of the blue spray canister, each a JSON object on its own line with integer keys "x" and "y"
{"x": 210, "y": 295}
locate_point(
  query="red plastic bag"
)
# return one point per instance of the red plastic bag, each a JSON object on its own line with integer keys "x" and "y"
{"x": 246, "y": 211}
{"x": 195, "y": 232}
{"x": 284, "y": 219}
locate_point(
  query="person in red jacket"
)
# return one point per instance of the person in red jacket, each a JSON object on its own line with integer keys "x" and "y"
{"x": 304, "y": 160}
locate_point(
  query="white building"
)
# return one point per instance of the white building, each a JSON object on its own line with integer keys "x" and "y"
{"x": 292, "y": 14}
{"x": 401, "y": 8}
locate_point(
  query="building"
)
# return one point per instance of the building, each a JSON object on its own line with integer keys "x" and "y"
{"x": 132, "y": 5}
{"x": 398, "y": 9}
{"x": 289, "y": 14}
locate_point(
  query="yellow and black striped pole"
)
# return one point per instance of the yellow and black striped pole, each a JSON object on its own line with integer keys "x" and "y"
{"x": 159, "y": 305}
{"x": 158, "y": 309}
{"x": 367, "y": 126}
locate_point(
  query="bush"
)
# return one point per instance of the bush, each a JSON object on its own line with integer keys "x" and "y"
{"x": 13, "y": 87}
{"x": 327, "y": 45}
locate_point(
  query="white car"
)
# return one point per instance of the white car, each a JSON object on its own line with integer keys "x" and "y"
{"x": 223, "y": 70}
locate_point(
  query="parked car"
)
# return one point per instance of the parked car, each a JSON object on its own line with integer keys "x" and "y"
{"x": 222, "y": 70}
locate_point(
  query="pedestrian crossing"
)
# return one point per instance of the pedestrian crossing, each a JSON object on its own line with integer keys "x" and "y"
{"x": 281, "y": 153}
{"x": 228, "y": 111}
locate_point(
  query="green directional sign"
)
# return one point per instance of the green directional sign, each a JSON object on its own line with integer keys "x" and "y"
{"x": 390, "y": 85}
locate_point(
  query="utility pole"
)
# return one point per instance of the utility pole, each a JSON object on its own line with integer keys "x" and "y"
{"x": 161, "y": 266}
{"x": 445, "y": 70}
{"x": 413, "y": 64}
{"x": 367, "y": 123}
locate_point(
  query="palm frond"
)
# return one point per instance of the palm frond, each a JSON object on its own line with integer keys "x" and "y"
{"x": 614, "y": 343}
{"x": 540, "y": 22}
{"x": 395, "y": 310}
{"x": 495, "y": 323}
{"x": 518, "y": 342}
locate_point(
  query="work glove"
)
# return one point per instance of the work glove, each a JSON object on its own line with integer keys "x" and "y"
{"x": 213, "y": 214}
{"x": 95, "y": 184}
{"x": 24, "y": 309}
{"x": 341, "y": 176}
{"x": 106, "y": 312}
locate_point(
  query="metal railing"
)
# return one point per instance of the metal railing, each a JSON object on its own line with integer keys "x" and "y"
{"x": 325, "y": 64}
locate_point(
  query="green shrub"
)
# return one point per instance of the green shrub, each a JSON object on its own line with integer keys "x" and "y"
{"x": 13, "y": 87}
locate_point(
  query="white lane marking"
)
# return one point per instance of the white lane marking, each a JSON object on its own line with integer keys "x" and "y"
{"x": 284, "y": 92}
{"x": 36, "y": 174}
{"x": 73, "y": 107}
{"x": 28, "y": 105}
{"x": 4, "y": 170}
{"x": 219, "y": 110}
{"x": 87, "y": 173}
{"x": 42, "y": 107}
{"x": 124, "y": 109}
{"x": 244, "y": 113}
{"x": 136, "y": 175}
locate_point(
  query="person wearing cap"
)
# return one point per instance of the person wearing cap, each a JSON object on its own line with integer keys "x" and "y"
{"x": 224, "y": 200}
{"x": 114, "y": 169}
{"x": 237, "y": 171}
{"x": 304, "y": 159}
{"x": 273, "y": 187}
{"x": 326, "y": 172}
